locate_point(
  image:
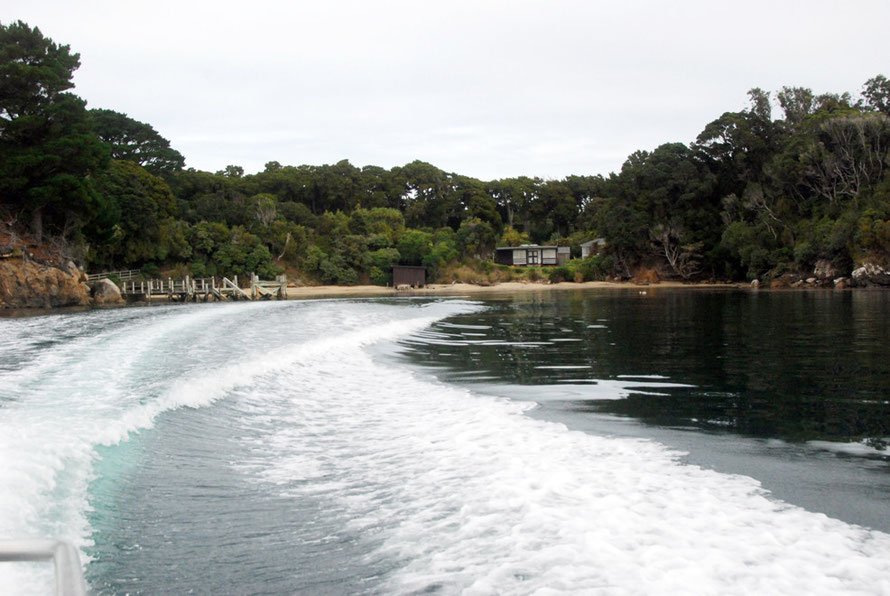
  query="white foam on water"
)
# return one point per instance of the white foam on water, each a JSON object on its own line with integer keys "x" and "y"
{"x": 464, "y": 493}
{"x": 68, "y": 399}
{"x": 96, "y": 389}
{"x": 455, "y": 491}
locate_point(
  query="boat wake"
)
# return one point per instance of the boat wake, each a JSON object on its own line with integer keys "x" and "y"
{"x": 437, "y": 487}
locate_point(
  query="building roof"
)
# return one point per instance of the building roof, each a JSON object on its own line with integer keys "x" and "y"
{"x": 599, "y": 241}
{"x": 526, "y": 246}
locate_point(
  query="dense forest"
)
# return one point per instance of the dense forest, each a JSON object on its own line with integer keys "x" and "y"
{"x": 752, "y": 197}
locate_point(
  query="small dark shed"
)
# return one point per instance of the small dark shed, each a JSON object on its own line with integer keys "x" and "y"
{"x": 407, "y": 275}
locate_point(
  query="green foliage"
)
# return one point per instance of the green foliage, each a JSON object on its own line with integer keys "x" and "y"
{"x": 145, "y": 209}
{"x": 297, "y": 213}
{"x": 34, "y": 71}
{"x": 751, "y": 196}
{"x": 383, "y": 224}
{"x": 135, "y": 141}
{"x": 414, "y": 245}
{"x": 876, "y": 95}
{"x": 384, "y": 258}
{"x": 804, "y": 254}
{"x": 443, "y": 251}
{"x": 265, "y": 209}
{"x": 287, "y": 241}
{"x": 244, "y": 254}
{"x": 593, "y": 268}
{"x": 48, "y": 153}
{"x": 476, "y": 238}
{"x": 381, "y": 264}
{"x": 513, "y": 237}
{"x": 560, "y": 274}
{"x": 872, "y": 238}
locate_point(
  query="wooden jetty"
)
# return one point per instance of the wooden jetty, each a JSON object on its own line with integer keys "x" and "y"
{"x": 205, "y": 289}
{"x": 264, "y": 290}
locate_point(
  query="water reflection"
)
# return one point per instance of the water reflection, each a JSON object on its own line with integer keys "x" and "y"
{"x": 796, "y": 366}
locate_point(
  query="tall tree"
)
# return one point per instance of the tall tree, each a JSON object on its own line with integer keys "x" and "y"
{"x": 131, "y": 140}
{"x": 47, "y": 150}
{"x": 876, "y": 94}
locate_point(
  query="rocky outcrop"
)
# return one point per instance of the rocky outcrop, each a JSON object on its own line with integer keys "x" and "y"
{"x": 105, "y": 293}
{"x": 786, "y": 280}
{"x": 25, "y": 283}
{"x": 869, "y": 275}
{"x": 825, "y": 269}
{"x": 645, "y": 276}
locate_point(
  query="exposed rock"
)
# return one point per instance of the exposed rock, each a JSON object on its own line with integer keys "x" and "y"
{"x": 105, "y": 292}
{"x": 27, "y": 284}
{"x": 825, "y": 269}
{"x": 841, "y": 283}
{"x": 786, "y": 280}
{"x": 646, "y": 276}
{"x": 73, "y": 269}
{"x": 755, "y": 283}
{"x": 870, "y": 274}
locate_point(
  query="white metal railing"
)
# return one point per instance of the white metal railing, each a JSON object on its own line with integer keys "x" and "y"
{"x": 69, "y": 577}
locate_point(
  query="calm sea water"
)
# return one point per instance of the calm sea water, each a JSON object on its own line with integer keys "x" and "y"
{"x": 598, "y": 442}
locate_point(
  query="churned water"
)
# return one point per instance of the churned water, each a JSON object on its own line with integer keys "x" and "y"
{"x": 282, "y": 448}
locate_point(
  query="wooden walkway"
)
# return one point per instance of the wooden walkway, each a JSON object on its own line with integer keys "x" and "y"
{"x": 205, "y": 289}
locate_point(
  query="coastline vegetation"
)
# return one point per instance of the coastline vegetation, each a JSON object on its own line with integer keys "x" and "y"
{"x": 753, "y": 197}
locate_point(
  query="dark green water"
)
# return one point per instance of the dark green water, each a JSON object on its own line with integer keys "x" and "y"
{"x": 792, "y": 388}
{"x": 796, "y": 366}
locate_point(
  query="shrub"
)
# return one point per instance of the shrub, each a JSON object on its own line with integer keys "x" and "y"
{"x": 379, "y": 277}
{"x": 560, "y": 274}
{"x": 804, "y": 253}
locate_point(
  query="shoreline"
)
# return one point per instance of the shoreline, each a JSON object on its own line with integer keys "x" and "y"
{"x": 306, "y": 292}
{"x": 453, "y": 289}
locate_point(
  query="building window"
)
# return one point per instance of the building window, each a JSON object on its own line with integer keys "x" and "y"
{"x": 532, "y": 257}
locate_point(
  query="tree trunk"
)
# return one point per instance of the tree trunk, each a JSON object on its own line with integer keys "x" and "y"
{"x": 37, "y": 224}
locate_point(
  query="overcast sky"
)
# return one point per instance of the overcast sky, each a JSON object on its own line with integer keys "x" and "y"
{"x": 489, "y": 89}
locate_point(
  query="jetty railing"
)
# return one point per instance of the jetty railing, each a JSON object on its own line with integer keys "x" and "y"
{"x": 121, "y": 275}
{"x": 190, "y": 289}
{"x": 265, "y": 290}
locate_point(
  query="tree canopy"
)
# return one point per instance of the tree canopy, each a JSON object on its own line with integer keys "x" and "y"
{"x": 135, "y": 141}
{"x": 47, "y": 149}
